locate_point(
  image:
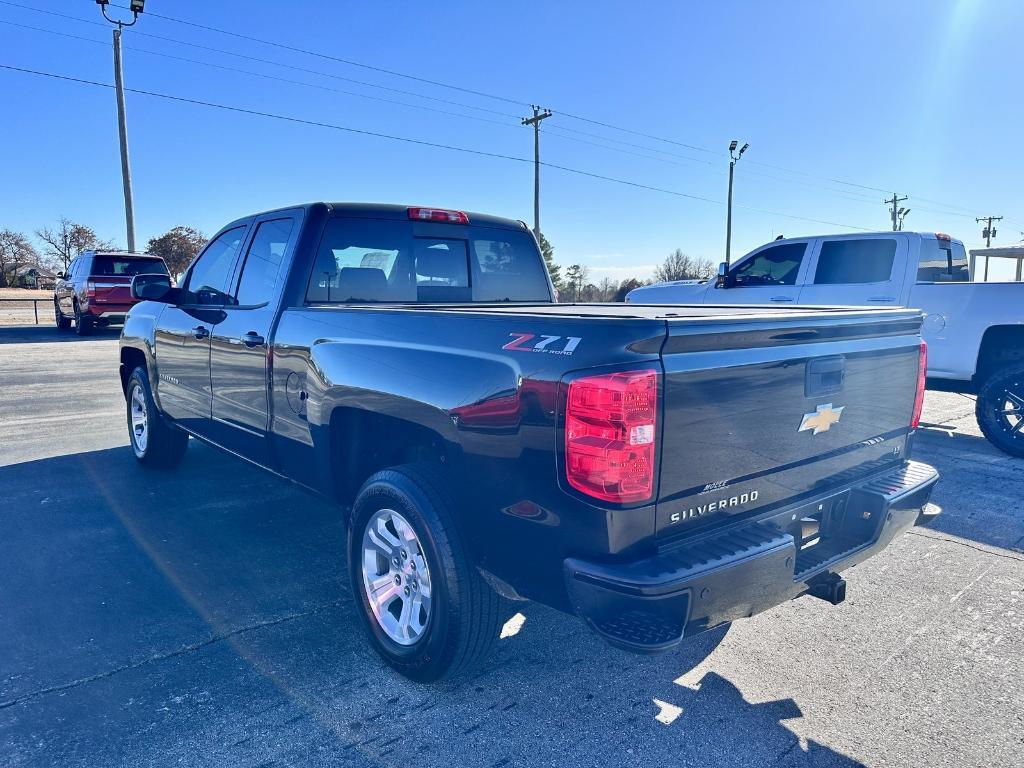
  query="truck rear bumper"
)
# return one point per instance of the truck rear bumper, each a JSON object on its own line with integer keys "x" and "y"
{"x": 692, "y": 586}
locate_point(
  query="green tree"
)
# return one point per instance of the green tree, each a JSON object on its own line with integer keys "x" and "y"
{"x": 575, "y": 278}
{"x": 177, "y": 247}
{"x": 548, "y": 252}
{"x": 68, "y": 239}
{"x": 679, "y": 266}
{"x": 626, "y": 286}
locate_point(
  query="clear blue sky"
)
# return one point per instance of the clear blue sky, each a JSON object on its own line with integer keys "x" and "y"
{"x": 922, "y": 98}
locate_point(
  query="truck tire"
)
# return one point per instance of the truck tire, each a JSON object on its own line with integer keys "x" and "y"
{"x": 1000, "y": 409}
{"x": 63, "y": 323}
{"x": 83, "y": 323}
{"x": 155, "y": 443}
{"x": 426, "y": 609}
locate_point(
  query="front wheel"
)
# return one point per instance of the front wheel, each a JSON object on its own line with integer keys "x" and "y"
{"x": 426, "y": 609}
{"x": 1000, "y": 410}
{"x": 154, "y": 443}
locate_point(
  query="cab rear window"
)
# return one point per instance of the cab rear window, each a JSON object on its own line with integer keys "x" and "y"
{"x": 943, "y": 261}
{"x": 380, "y": 260}
{"x": 115, "y": 266}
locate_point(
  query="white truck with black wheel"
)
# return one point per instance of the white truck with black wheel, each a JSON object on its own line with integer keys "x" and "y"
{"x": 974, "y": 331}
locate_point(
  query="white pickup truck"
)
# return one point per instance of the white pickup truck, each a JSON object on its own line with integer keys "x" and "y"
{"x": 975, "y": 331}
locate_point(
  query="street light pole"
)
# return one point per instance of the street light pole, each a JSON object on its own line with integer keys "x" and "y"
{"x": 733, "y": 159}
{"x": 136, "y": 7}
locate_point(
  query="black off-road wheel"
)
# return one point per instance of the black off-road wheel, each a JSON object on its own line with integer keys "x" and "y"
{"x": 154, "y": 442}
{"x": 425, "y": 607}
{"x": 1000, "y": 409}
{"x": 63, "y": 323}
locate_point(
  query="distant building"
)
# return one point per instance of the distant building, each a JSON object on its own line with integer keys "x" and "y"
{"x": 34, "y": 276}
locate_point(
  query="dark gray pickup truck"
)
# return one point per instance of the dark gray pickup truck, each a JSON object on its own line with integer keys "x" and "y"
{"x": 656, "y": 470}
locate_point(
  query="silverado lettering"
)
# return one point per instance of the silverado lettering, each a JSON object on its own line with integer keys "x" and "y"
{"x": 704, "y": 509}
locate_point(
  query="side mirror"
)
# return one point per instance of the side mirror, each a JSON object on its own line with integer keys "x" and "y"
{"x": 723, "y": 281}
{"x": 154, "y": 287}
{"x": 62, "y": 275}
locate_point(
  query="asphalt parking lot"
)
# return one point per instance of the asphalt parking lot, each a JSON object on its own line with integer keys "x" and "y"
{"x": 200, "y": 617}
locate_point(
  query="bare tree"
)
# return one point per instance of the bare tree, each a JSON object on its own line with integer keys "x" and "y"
{"x": 607, "y": 288}
{"x": 68, "y": 239}
{"x": 177, "y": 247}
{"x": 15, "y": 251}
{"x": 680, "y": 266}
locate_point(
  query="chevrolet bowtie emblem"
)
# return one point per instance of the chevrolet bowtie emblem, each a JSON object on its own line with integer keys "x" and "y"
{"x": 823, "y": 417}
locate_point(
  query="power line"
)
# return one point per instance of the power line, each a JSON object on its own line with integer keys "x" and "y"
{"x": 418, "y": 142}
{"x": 435, "y": 110}
{"x": 349, "y": 62}
{"x": 262, "y": 75}
{"x": 246, "y": 57}
{"x": 560, "y": 130}
{"x": 440, "y": 84}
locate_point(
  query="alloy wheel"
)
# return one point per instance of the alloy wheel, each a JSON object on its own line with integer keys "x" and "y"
{"x": 139, "y": 420}
{"x": 396, "y": 578}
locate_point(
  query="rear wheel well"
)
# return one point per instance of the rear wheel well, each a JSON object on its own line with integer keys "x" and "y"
{"x": 364, "y": 442}
{"x": 1001, "y": 346}
{"x": 131, "y": 359}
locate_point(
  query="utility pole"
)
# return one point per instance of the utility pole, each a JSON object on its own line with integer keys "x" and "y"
{"x": 989, "y": 231}
{"x": 135, "y": 7}
{"x": 538, "y": 115}
{"x": 122, "y": 133}
{"x": 733, "y": 159}
{"x": 897, "y": 221}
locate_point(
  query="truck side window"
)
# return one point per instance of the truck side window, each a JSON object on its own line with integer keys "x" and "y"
{"x": 262, "y": 267}
{"x": 844, "y": 262}
{"x": 208, "y": 280}
{"x": 363, "y": 260}
{"x": 777, "y": 265}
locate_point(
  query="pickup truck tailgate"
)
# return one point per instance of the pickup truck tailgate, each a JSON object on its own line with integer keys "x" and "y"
{"x": 760, "y": 412}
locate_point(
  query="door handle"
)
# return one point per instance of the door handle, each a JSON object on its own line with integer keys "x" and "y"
{"x": 881, "y": 298}
{"x": 253, "y": 339}
{"x": 201, "y": 332}
{"x": 782, "y": 298}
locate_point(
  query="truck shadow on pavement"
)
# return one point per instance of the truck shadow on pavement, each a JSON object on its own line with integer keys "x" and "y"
{"x": 50, "y": 334}
{"x": 204, "y": 613}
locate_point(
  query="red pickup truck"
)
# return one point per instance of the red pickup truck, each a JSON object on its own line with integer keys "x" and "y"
{"x": 96, "y": 289}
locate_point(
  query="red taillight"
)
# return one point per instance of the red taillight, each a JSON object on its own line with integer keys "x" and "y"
{"x": 90, "y": 289}
{"x": 438, "y": 214}
{"x": 922, "y": 372}
{"x": 610, "y": 433}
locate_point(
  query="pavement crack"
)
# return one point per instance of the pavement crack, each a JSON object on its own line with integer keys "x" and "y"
{"x": 962, "y": 543}
{"x": 170, "y": 655}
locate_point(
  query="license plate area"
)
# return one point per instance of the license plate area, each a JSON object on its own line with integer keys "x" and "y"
{"x": 827, "y": 529}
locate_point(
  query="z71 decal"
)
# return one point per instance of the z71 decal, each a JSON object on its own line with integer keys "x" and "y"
{"x": 531, "y": 342}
